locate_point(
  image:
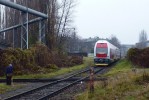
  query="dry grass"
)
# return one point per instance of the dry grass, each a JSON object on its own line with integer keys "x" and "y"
{"x": 123, "y": 85}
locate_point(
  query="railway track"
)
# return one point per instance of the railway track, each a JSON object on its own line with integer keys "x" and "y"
{"x": 50, "y": 89}
{"x": 65, "y": 86}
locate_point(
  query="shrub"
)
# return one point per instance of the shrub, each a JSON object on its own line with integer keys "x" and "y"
{"x": 139, "y": 56}
{"x": 35, "y": 59}
{"x": 52, "y": 66}
{"x": 76, "y": 60}
{"x": 133, "y": 55}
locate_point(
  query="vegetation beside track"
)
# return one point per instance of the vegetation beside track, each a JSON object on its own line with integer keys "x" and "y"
{"x": 51, "y": 74}
{"x": 123, "y": 83}
{"x": 61, "y": 71}
{"x": 86, "y": 60}
{"x": 4, "y": 87}
{"x": 37, "y": 59}
{"x": 121, "y": 66}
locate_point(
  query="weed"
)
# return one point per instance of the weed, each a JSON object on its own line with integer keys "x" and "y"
{"x": 4, "y": 87}
{"x": 122, "y": 84}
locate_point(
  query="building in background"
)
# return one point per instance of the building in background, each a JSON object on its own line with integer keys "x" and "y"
{"x": 125, "y": 48}
{"x": 142, "y": 45}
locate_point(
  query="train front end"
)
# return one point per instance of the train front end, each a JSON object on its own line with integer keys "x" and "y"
{"x": 101, "y": 53}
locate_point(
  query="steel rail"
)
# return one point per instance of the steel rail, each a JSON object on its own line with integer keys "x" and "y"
{"x": 23, "y": 8}
{"x": 45, "y": 85}
{"x": 67, "y": 86}
{"x": 50, "y": 80}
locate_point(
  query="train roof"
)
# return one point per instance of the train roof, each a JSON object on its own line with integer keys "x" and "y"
{"x": 105, "y": 41}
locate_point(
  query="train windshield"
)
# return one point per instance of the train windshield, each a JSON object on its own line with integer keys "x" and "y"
{"x": 101, "y": 50}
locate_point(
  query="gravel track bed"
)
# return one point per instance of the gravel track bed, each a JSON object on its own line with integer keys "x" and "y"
{"x": 27, "y": 87}
{"x": 70, "y": 93}
{"x": 43, "y": 92}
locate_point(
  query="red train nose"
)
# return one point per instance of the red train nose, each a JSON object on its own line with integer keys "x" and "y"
{"x": 101, "y": 55}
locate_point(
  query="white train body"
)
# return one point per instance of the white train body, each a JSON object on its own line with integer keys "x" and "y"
{"x": 105, "y": 53}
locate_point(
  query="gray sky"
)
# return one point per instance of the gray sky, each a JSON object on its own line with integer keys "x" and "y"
{"x": 123, "y": 18}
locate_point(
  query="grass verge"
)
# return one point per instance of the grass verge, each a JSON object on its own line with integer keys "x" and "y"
{"x": 4, "y": 88}
{"x": 121, "y": 66}
{"x": 122, "y": 84}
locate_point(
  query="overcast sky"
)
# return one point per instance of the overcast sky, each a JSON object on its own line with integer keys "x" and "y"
{"x": 123, "y": 18}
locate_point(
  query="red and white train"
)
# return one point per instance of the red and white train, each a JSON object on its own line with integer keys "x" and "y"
{"x": 105, "y": 53}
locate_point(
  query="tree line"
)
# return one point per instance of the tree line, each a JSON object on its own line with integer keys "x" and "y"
{"x": 58, "y": 24}
{"x": 60, "y": 34}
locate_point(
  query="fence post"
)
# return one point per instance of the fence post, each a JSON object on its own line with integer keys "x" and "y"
{"x": 91, "y": 85}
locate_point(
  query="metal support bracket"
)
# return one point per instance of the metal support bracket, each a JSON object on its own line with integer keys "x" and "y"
{"x": 15, "y": 38}
{"x": 24, "y": 31}
{"x": 24, "y": 24}
{"x": 42, "y": 31}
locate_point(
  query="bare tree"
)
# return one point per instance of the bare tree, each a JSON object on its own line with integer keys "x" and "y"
{"x": 51, "y": 24}
{"x": 142, "y": 40}
{"x": 143, "y": 36}
{"x": 59, "y": 18}
{"x": 114, "y": 40}
{"x": 62, "y": 15}
{"x": 68, "y": 14}
{"x": 64, "y": 19}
